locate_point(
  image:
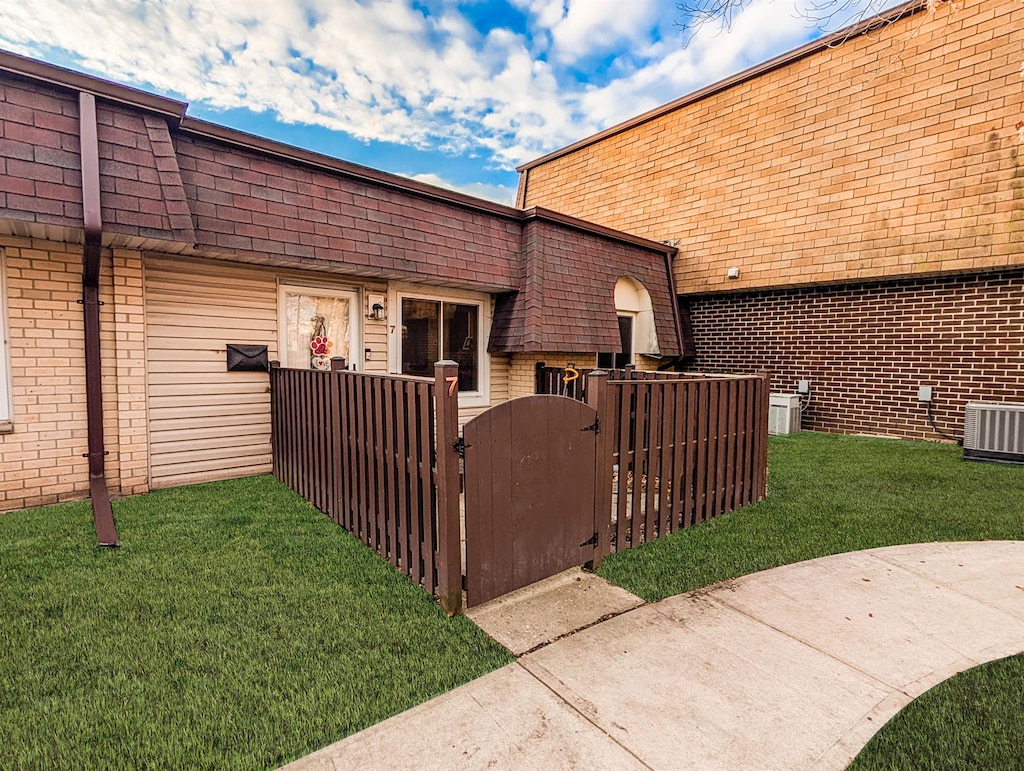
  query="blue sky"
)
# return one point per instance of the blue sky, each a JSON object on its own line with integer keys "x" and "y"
{"x": 451, "y": 92}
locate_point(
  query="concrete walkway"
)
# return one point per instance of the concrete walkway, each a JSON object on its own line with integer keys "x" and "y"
{"x": 792, "y": 668}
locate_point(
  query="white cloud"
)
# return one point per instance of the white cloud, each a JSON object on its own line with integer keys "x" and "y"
{"x": 386, "y": 70}
{"x": 763, "y": 29}
{"x": 578, "y": 28}
{"x": 502, "y": 194}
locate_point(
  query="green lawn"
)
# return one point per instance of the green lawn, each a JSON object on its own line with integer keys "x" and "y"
{"x": 238, "y": 628}
{"x": 974, "y": 720}
{"x": 830, "y": 494}
{"x": 235, "y": 628}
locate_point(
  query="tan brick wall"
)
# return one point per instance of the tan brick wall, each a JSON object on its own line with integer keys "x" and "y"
{"x": 129, "y": 362}
{"x": 893, "y": 154}
{"x": 41, "y": 460}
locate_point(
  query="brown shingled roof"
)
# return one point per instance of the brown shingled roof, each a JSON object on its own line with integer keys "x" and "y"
{"x": 173, "y": 183}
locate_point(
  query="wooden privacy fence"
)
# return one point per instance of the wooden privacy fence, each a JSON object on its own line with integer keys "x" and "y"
{"x": 380, "y": 455}
{"x": 678, "y": 450}
{"x": 363, "y": 449}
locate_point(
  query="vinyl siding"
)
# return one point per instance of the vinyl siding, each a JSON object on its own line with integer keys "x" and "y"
{"x": 204, "y": 422}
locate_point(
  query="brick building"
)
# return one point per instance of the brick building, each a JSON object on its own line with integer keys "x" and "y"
{"x": 850, "y": 214}
{"x": 185, "y": 238}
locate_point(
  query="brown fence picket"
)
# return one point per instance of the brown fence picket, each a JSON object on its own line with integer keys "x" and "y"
{"x": 424, "y": 472}
{"x": 762, "y": 436}
{"x": 624, "y": 395}
{"x": 410, "y": 463}
{"x": 361, "y": 448}
{"x": 651, "y": 440}
{"x": 666, "y": 433}
{"x": 302, "y": 435}
{"x": 742, "y": 450}
{"x": 700, "y": 481}
{"x": 676, "y": 502}
{"x": 716, "y": 449}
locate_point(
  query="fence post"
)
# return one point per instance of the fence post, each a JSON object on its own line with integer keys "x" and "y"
{"x": 765, "y": 378}
{"x": 449, "y": 520}
{"x": 338, "y": 364}
{"x": 599, "y": 398}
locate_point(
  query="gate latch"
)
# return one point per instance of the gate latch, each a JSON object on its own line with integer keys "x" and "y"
{"x": 596, "y": 427}
{"x": 592, "y": 541}
{"x": 459, "y": 445}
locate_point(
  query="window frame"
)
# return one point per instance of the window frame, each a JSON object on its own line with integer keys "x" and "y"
{"x": 353, "y": 357}
{"x": 479, "y": 398}
{"x": 6, "y": 387}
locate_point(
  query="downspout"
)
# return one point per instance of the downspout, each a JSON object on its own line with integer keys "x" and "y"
{"x": 102, "y": 514}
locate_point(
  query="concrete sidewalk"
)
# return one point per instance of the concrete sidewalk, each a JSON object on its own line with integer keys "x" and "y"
{"x": 795, "y": 667}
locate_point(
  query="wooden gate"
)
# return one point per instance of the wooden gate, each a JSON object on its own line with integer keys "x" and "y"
{"x": 530, "y": 477}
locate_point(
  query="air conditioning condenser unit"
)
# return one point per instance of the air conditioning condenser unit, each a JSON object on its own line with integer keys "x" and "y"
{"x": 994, "y": 431}
{"x": 783, "y": 413}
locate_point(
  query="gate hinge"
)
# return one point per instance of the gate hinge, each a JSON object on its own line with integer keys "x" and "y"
{"x": 596, "y": 427}
{"x": 459, "y": 445}
{"x": 592, "y": 541}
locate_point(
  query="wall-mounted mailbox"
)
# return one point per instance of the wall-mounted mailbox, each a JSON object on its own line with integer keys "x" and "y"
{"x": 247, "y": 358}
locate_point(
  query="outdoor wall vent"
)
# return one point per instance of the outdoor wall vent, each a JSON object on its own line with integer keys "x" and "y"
{"x": 783, "y": 414}
{"x": 994, "y": 432}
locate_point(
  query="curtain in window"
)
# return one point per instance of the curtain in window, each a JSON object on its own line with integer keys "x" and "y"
{"x": 316, "y": 328}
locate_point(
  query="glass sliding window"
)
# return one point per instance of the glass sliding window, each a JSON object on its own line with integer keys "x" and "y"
{"x": 460, "y": 342}
{"x": 421, "y": 321}
{"x": 316, "y": 327}
{"x": 433, "y": 330}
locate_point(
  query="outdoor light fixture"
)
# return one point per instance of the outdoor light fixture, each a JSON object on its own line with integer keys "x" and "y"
{"x": 733, "y": 272}
{"x": 377, "y": 310}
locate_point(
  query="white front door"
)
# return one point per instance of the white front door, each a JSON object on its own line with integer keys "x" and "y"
{"x": 317, "y": 325}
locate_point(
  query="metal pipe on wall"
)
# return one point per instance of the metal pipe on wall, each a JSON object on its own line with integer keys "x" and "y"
{"x": 102, "y": 513}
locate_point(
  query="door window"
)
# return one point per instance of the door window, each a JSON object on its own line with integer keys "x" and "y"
{"x": 318, "y": 325}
